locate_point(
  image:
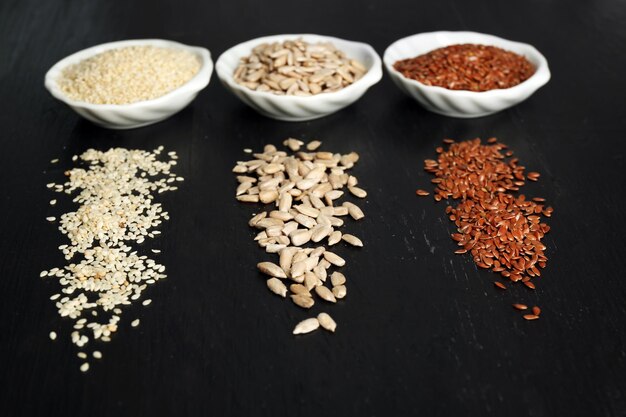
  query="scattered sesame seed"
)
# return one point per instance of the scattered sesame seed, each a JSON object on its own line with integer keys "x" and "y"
{"x": 51, "y": 218}
{"x": 43, "y": 274}
{"x": 53, "y": 335}
{"x": 247, "y": 150}
{"x": 50, "y": 185}
{"x": 156, "y": 251}
{"x": 84, "y": 367}
{"x": 53, "y": 202}
{"x": 146, "y": 302}
{"x": 114, "y": 204}
{"x": 97, "y": 354}
{"x": 54, "y": 161}
{"x": 82, "y": 355}
{"x": 135, "y": 323}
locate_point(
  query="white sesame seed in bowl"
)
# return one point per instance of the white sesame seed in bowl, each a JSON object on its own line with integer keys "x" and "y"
{"x": 132, "y": 83}
{"x": 288, "y": 105}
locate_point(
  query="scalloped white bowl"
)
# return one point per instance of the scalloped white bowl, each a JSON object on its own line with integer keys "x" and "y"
{"x": 461, "y": 103}
{"x": 141, "y": 113}
{"x": 298, "y": 108}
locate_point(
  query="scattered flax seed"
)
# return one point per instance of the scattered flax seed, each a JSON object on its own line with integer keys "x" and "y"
{"x": 536, "y": 311}
{"x": 114, "y": 192}
{"x": 304, "y": 190}
{"x": 530, "y": 317}
{"x": 502, "y": 231}
{"x": 520, "y": 306}
{"x": 529, "y": 285}
{"x": 500, "y": 285}
{"x": 533, "y": 176}
{"x": 53, "y": 335}
{"x": 422, "y": 193}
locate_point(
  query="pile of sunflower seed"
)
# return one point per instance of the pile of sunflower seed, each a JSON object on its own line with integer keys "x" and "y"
{"x": 299, "y": 68}
{"x": 116, "y": 206}
{"x": 305, "y": 189}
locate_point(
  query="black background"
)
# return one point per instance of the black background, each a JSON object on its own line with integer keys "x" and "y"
{"x": 422, "y": 331}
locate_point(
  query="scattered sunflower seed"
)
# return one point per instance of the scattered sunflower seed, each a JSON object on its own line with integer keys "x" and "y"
{"x": 303, "y": 191}
{"x": 327, "y": 322}
{"x": 306, "y": 326}
{"x": 353, "y": 240}
{"x": 277, "y": 287}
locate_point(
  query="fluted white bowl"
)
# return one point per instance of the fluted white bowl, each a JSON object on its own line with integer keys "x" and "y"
{"x": 141, "y": 113}
{"x": 462, "y": 103}
{"x": 299, "y": 108}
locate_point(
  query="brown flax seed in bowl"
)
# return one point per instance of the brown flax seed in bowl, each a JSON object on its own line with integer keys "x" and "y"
{"x": 469, "y": 67}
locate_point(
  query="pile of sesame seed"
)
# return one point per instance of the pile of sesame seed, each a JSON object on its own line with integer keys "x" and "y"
{"x": 116, "y": 207}
{"x": 127, "y": 75}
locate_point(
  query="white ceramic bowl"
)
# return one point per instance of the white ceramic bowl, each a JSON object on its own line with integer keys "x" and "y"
{"x": 298, "y": 108}
{"x": 141, "y": 113}
{"x": 461, "y": 103}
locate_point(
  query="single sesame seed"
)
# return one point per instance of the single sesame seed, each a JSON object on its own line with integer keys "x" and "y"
{"x": 51, "y": 218}
{"x": 84, "y": 367}
{"x": 97, "y": 354}
{"x": 82, "y": 355}
{"x": 147, "y": 302}
{"x": 52, "y": 335}
{"x": 53, "y": 202}
{"x": 54, "y": 161}
{"x": 135, "y": 323}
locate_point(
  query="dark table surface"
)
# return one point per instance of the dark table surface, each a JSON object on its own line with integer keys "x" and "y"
{"x": 423, "y": 331}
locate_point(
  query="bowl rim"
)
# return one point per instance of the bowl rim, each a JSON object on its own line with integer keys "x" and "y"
{"x": 195, "y": 84}
{"x": 541, "y": 76}
{"x": 372, "y": 76}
